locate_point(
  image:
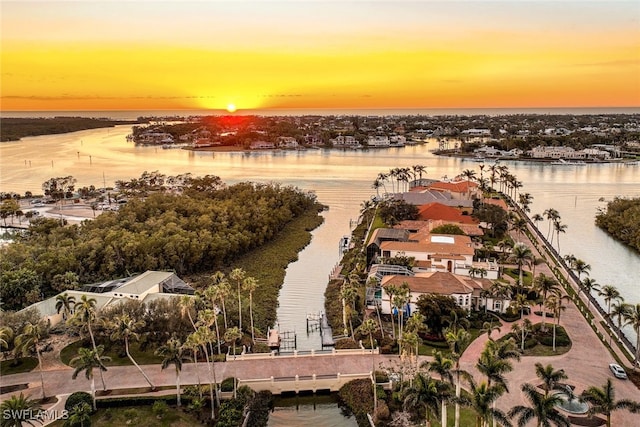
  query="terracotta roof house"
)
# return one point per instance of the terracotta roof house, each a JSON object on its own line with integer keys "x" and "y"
{"x": 457, "y": 189}
{"x": 497, "y": 202}
{"x": 429, "y": 225}
{"x": 464, "y": 290}
{"x": 435, "y": 211}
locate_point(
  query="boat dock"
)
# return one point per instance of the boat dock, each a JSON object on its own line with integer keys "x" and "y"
{"x": 326, "y": 333}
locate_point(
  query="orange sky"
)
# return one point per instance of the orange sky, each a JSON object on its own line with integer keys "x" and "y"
{"x": 110, "y": 55}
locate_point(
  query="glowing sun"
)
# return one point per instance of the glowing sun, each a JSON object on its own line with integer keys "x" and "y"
{"x": 231, "y": 108}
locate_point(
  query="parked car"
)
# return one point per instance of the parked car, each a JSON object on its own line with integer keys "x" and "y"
{"x": 618, "y": 371}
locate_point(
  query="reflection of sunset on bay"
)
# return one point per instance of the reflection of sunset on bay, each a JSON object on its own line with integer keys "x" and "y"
{"x": 414, "y": 56}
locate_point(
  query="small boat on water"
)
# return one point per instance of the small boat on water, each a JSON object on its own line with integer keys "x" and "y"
{"x": 562, "y": 162}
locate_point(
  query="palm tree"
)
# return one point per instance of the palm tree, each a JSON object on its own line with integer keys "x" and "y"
{"x": 193, "y": 345}
{"x": 590, "y": 285}
{"x": 521, "y": 255}
{"x": 238, "y": 274}
{"x": 536, "y": 218}
{"x": 125, "y": 328}
{"x": 348, "y": 293}
{"x": 559, "y": 228}
{"x": 632, "y": 318}
{"x": 520, "y": 303}
{"x": 250, "y": 284}
{"x": 610, "y": 294}
{"x": 458, "y": 342}
{"x": 552, "y": 215}
{"x": 79, "y": 415}
{"x": 6, "y": 334}
{"x": 581, "y": 267}
{"x": 232, "y": 335}
{"x": 400, "y": 301}
{"x": 368, "y": 327}
{"x": 30, "y": 340}
{"x": 209, "y": 317}
{"x": 554, "y": 303}
{"x": 222, "y": 291}
{"x": 173, "y": 354}
{"x": 619, "y": 311}
{"x": 442, "y": 366}
{"x": 424, "y": 394}
{"x": 603, "y": 401}
{"x": 545, "y": 285}
{"x": 187, "y": 302}
{"x": 203, "y": 337}
{"x": 86, "y": 360}
{"x": 65, "y": 303}
{"x": 391, "y": 290}
{"x": 19, "y": 410}
{"x": 482, "y": 401}
{"x": 543, "y": 408}
{"x": 85, "y": 314}
{"x": 519, "y": 226}
{"x": 550, "y": 377}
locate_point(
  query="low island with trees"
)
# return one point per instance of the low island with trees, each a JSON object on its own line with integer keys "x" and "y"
{"x": 621, "y": 219}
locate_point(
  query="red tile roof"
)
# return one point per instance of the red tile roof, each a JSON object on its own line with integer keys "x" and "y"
{"x": 454, "y": 187}
{"x": 437, "y": 211}
{"x": 498, "y": 202}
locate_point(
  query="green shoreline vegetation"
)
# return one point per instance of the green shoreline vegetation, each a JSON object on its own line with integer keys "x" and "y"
{"x": 13, "y": 129}
{"x": 621, "y": 220}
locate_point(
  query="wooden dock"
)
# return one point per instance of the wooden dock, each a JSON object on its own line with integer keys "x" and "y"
{"x": 326, "y": 333}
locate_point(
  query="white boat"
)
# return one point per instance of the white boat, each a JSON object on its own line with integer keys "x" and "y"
{"x": 562, "y": 162}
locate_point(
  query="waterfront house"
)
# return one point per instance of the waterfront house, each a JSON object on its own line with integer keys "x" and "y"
{"x": 435, "y": 211}
{"x": 261, "y": 145}
{"x": 466, "y": 291}
{"x": 144, "y": 287}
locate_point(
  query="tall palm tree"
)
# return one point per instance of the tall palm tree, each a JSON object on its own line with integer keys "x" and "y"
{"x": 536, "y": 218}
{"x": 187, "y": 302}
{"x": 543, "y": 409}
{"x": 348, "y": 294}
{"x": 173, "y": 354}
{"x": 424, "y": 394}
{"x": 125, "y": 328}
{"x": 554, "y": 303}
{"x": 550, "y": 377}
{"x": 19, "y": 410}
{"x": 442, "y": 366}
{"x": 85, "y": 314}
{"x": 632, "y": 318}
{"x": 590, "y": 285}
{"x": 87, "y": 360}
{"x": 559, "y": 228}
{"x": 610, "y": 294}
{"x": 552, "y": 216}
{"x": 204, "y": 337}
{"x": 29, "y": 340}
{"x": 368, "y": 327}
{"x": 193, "y": 345}
{"x": 250, "y": 284}
{"x": 222, "y": 291}
{"x": 619, "y": 311}
{"x": 603, "y": 401}
{"x": 482, "y": 398}
{"x": 391, "y": 290}
{"x": 521, "y": 255}
{"x": 581, "y": 267}
{"x": 458, "y": 342}
{"x": 238, "y": 275}
{"x": 520, "y": 303}
{"x": 208, "y": 317}
{"x": 232, "y": 335}
{"x": 545, "y": 285}
{"x": 65, "y": 303}
{"x": 400, "y": 301}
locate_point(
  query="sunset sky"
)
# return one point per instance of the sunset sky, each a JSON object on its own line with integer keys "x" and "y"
{"x": 119, "y": 55}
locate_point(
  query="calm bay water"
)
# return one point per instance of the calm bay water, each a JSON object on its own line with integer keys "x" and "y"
{"x": 342, "y": 180}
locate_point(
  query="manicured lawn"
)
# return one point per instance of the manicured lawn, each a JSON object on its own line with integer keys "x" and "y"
{"x": 140, "y": 416}
{"x": 543, "y": 350}
{"x": 141, "y": 357}
{"x": 22, "y": 364}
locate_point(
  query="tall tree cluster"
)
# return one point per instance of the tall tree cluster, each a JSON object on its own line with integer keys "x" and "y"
{"x": 201, "y": 229}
